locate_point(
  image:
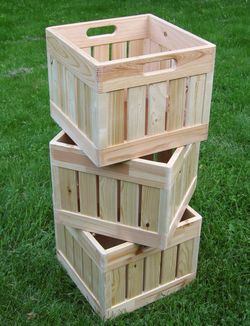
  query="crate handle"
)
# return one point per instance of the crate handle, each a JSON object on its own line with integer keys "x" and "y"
{"x": 161, "y": 71}
{"x": 103, "y": 30}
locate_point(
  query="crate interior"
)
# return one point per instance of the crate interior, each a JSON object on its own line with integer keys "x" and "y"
{"x": 108, "y": 242}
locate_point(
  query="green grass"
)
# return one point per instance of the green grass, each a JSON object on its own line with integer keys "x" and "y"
{"x": 34, "y": 289}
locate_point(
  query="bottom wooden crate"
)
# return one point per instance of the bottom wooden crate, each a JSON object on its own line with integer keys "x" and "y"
{"x": 117, "y": 276}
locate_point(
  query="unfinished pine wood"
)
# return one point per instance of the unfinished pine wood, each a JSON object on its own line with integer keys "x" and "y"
{"x": 119, "y": 50}
{"x": 118, "y": 285}
{"x": 88, "y": 193}
{"x": 136, "y": 48}
{"x": 68, "y": 189}
{"x": 150, "y": 208}
{"x": 129, "y": 203}
{"x": 156, "y": 108}
{"x": 78, "y": 258}
{"x": 147, "y": 198}
{"x": 135, "y": 278}
{"x": 116, "y": 117}
{"x": 195, "y": 99}
{"x": 168, "y": 269}
{"x": 90, "y": 92}
{"x": 71, "y": 84}
{"x": 185, "y": 255}
{"x": 128, "y": 275}
{"x": 176, "y": 107}
{"x": 136, "y": 112}
{"x": 101, "y": 52}
{"x": 69, "y": 244}
{"x": 152, "y": 271}
{"x": 108, "y": 198}
{"x": 60, "y": 237}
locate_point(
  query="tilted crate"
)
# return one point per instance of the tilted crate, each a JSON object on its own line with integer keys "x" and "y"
{"x": 117, "y": 276}
{"x": 144, "y": 88}
{"x": 140, "y": 200}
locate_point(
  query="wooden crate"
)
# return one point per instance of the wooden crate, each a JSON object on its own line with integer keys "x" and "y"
{"x": 141, "y": 200}
{"x": 143, "y": 89}
{"x": 117, "y": 276}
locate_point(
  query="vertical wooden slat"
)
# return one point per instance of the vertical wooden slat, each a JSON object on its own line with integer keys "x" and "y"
{"x": 118, "y": 284}
{"x": 177, "y": 96}
{"x": 157, "y": 94}
{"x": 108, "y": 198}
{"x": 150, "y": 208}
{"x": 78, "y": 258}
{"x": 185, "y": 258}
{"x": 195, "y": 98}
{"x": 96, "y": 280}
{"x": 129, "y": 200}
{"x": 152, "y": 271}
{"x": 136, "y": 112}
{"x": 169, "y": 257}
{"x": 71, "y": 83}
{"x": 207, "y": 97}
{"x": 88, "y": 194}
{"x": 60, "y": 237}
{"x": 116, "y": 117}
{"x": 87, "y": 269}
{"x": 101, "y": 52}
{"x": 135, "y": 278}
{"x": 135, "y": 48}
{"x": 89, "y": 108}
{"x": 61, "y": 87}
{"x": 54, "y": 80}
{"x": 119, "y": 50}
{"x": 68, "y": 189}
{"x": 81, "y": 106}
{"x": 69, "y": 241}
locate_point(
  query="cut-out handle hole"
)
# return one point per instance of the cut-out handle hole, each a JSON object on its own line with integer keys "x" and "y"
{"x": 103, "y": 30}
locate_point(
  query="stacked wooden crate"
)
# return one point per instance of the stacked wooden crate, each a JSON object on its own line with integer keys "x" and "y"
{"x": 133, "y": 105}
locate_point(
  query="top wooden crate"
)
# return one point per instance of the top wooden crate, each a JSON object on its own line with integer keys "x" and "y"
{"x": 144, "y": 88}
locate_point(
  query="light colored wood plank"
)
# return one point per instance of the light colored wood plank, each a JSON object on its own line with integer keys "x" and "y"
{"x": 157, "y": 94}
{"x": 168, "y": 269}
{"x": 71, "y": 84}
{"x": 89, "y": 108}
{"x": 119, "y": 50}
{"x": 88, "y": 194}
{"x": 135, "y": 48}
{"x": 177, "y": 96}
{"x": 81, "y": 106}
{"x": 68, "y": 189}
{"x": 149, "y": 296}
{"x": 109, "y": 228}
{"x": 195, "y": 99}
{"x": 60, "y": 237}
{"x": 185, "y": 258}
{"x": 189, "y": 62}
{"x": 127, "y": 28}
{"x": 108, "y": 198}
{"x": 118, "y": 285}
{"x": 87, "y": 269}
{"x": 129, "y": 203}
{"x": 54, "y": 80}
{"x": 135, "y": 278}
{"x": 150, "y": 208}
{"x": 116, "y": 117}
{"x": 77, "y": 258}
{"x": 101, "y": 52}
{"x": 96, "y": 286}
{"x": 69, "y": 244}
{"x": 136, "y": 111}
{"x": 62, "y": 88}
{"x": 152, "y": 271}
{"x": 207, "y": 97}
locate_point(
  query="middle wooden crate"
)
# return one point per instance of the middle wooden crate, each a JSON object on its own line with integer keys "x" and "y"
{"x": 140, "y": 201}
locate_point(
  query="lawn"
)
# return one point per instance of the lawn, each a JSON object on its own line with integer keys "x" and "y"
{"x": 34, "y": 288}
